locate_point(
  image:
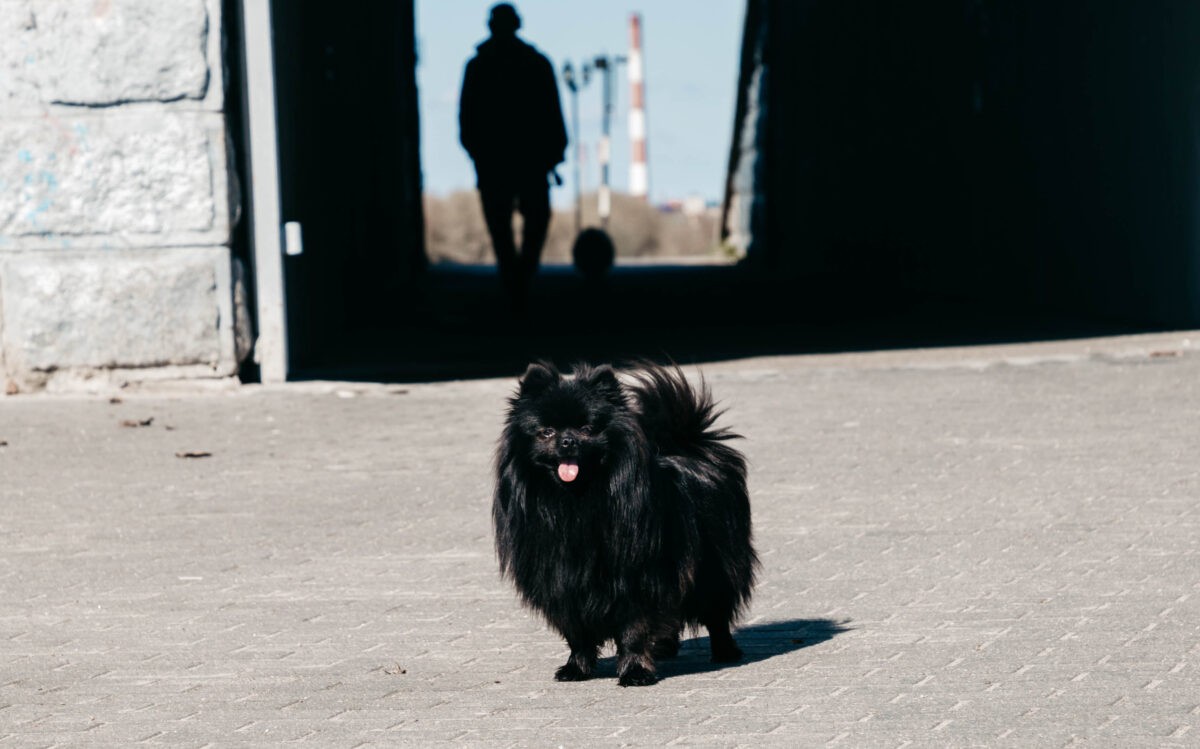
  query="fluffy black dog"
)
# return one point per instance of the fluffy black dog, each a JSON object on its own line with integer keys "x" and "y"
{"x": 621, "y": 514}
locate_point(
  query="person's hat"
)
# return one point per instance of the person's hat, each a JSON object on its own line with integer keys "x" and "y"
{"x": 504, "y": 18}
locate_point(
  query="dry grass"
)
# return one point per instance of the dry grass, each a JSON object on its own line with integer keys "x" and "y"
{"x": 455, "y": 231}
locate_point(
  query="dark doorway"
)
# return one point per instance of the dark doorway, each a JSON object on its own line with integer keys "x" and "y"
{"x": 361, "y": 299}
{"x": 349, "y": 171}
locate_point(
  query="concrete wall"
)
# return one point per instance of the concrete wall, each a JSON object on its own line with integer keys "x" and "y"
{"x": 744, "y": 211}
{"x": 115, "y": 200}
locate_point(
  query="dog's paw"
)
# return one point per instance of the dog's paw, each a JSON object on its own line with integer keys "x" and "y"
{"x": 637, "y": 675}
{"x": 730, "y": 653}
{"x": 571, "y": 672}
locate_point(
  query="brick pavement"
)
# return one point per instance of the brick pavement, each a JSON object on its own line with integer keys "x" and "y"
{"x": 968, "y": 547}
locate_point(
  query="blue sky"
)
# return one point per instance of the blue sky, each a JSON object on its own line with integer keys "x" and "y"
{"x": 691, "y": 54}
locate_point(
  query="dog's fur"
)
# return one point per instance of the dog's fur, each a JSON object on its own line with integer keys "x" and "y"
{"x": 621, "y": 514}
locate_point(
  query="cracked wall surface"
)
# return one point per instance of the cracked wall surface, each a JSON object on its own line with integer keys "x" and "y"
{"x": 114, "y": 190}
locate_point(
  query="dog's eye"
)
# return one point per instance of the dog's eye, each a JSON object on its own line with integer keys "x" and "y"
{"x": 546, "y": 433}
{"x": 586, "y": 430}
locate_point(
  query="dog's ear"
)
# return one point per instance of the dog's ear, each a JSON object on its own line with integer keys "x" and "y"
{"x": 538, "y": 376}
{"x": 603, "y": 379}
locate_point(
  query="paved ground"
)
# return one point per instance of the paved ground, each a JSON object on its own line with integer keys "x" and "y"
{"x": 995, "y": 547}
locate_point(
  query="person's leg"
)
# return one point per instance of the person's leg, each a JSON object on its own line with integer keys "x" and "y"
{"x": 534, "y": 202}
{"x": 497, "y": 213}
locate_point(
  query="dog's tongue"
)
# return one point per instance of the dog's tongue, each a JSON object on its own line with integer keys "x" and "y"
{"x": 568, "y": 470}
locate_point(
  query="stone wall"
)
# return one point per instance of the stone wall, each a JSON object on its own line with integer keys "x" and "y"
{"x": 114, "y": 192}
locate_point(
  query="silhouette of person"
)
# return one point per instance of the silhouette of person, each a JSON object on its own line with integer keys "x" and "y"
{"x": 510, "y": 122}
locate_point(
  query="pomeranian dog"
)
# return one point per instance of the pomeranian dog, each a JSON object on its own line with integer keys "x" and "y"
{"x": 621, "y": 514}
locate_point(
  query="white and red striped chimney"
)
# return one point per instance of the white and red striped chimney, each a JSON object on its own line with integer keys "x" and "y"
{"x": 639, "y": 174}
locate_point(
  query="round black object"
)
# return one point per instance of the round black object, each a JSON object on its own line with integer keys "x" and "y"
{"x": 593, "y": 253}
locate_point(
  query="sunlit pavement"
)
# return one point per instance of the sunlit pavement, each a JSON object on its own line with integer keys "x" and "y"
{"x": 960, "y": 547}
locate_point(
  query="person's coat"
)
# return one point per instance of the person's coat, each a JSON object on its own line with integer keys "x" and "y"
{"x": 510, "y": 117}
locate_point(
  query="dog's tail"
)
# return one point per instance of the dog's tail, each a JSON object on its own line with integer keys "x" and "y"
{"x": 709, "y": 476}
{"x": 678, "y": 418}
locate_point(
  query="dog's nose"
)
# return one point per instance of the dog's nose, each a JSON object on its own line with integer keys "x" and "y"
{"x": 568, "y": 441}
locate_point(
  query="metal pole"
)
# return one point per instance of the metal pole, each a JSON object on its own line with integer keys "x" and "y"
{"x": 573, "y": 84}
{"x": 578, "y": 155}
{"x": 603, "y": 154}
{"x": 258, "y": 70}
{"x": 606, "y": 65}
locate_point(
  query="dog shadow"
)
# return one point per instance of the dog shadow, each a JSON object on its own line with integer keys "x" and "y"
{"x": 757, "y": 641}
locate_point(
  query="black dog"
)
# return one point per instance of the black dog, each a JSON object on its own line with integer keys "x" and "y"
{"x": 621, "y": 514}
